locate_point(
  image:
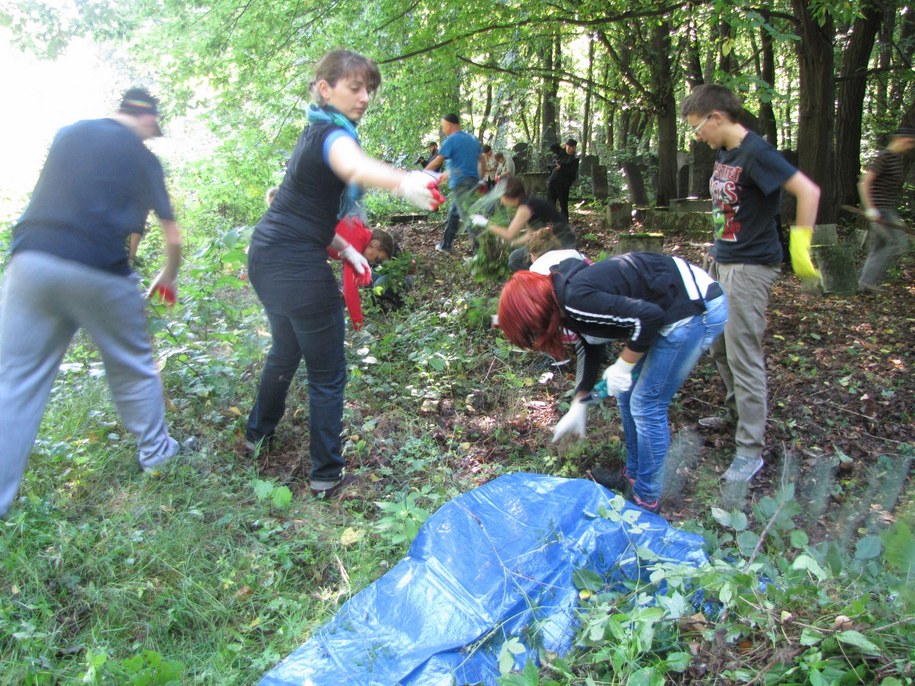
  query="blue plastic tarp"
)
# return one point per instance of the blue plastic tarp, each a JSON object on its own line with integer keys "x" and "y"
{"x": 493, "y": 564}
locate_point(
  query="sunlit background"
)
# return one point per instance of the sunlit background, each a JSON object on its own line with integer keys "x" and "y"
{"x": 41, "y": 96}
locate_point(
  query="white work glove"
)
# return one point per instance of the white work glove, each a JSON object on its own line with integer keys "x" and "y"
{"x": 872, "y": 213}
{"x": 357, "y": 259}
{"x": 618, "y": 376}
{"x": 420, "y": 189}
{"x": 573, "y": 422}
{"x": 479, "y": 220}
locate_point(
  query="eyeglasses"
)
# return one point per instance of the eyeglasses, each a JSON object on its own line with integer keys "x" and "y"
{"x": 698, "y": 127}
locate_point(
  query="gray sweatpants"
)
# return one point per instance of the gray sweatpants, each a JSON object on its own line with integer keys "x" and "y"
{"x": 887, "y": 244}
{"x": 45, "y": 300}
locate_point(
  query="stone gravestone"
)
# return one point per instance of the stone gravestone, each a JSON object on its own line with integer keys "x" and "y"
{"x": 619, "y": 214}
{"x": 588, "y": 163}
{"x": 534, "y": 182}
{"x": 521, "y": 157}
{"x": 836, "y": 263}
{"x": 639, "y": 242}
{"x": 599, "y": 182}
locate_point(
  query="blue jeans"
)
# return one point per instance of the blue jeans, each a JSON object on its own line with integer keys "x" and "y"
{"x": 458, "y": 212}
{"x": 658, "y": 375}
{"x": 319, "y": 340}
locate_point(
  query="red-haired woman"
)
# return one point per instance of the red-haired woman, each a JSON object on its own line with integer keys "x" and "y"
{"x": 668, "y": 312}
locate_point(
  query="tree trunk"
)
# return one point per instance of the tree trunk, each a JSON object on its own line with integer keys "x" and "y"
{"x": 666, "y": 112}
{"x": 767, "y": 126}
{"x": 901, "y": 84}
{"x": 815, "y": 149}
{"x": 549, "y": 125}
{"x": 586, "y": 120}
{"x": 851, "y": 92}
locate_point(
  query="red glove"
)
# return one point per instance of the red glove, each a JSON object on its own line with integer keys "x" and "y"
{"x": 164, "y": 294}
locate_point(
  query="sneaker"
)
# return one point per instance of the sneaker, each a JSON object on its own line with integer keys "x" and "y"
{"x": 441, "y": 248}
{"x": 716, "y": 423}
{"x": 652, "y": 507}
{"x": 186, "y": 447}
{"x": 743, "y": 468}
{"x": 867, "y": 288}
{"x": 336, "y": 489}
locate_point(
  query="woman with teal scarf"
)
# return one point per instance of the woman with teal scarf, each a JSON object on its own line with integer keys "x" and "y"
{"x": 287, "y": 260}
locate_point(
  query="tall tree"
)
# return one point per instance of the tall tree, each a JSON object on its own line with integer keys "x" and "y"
{"x": 815, "y": 148}
{"x": 852, "y": 87}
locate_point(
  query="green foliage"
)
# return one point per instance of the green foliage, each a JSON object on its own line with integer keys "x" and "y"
{"x": 145, "y": 669}
{"x": 400, "y": 520}
{"x": 490, "y": 263}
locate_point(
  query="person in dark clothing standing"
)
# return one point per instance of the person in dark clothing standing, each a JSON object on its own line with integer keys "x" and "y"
{"x": 668, "y": 312}
{"x": 70, "y": 269}
{"x": 287, "y": 260}
{"x": 562, "y": 176}
{"x": 879, "y": 188}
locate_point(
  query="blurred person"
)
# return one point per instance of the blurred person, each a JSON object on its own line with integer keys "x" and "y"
{"x": 562, "y": 175}
{"x": 505, "y": 166}
{"x": 462, "y": 152}
{"x": 879, "y": 189}
{"x": 531, "y": 212}
{"x": 70, "y": 269}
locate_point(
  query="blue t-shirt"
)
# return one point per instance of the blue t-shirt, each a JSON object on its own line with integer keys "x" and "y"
{"x": 462, "y": 151}
{"x": 96, "y": 188}
{"x": 746, "y": 191}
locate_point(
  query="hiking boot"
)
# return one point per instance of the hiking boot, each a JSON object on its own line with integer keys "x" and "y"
{"x": 717, "y": 423}
{"x": 743, "y": 468}
{"x": 442, "y": 249}
{"x": 319, "y": 489}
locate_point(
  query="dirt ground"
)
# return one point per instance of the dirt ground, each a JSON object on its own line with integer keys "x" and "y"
{"x": 841, "y": 394}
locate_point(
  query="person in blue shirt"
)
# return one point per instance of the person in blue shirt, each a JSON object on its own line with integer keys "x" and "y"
{"x": 462, "y": 152}
{"x": 70, "y": 270}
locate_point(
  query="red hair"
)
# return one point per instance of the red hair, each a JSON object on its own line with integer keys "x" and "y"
{"x": 529, "y": 313}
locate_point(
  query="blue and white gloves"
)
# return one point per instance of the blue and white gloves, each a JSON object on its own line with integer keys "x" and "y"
{"x": 573, "y": 422}
{"x": 479, "y": 221}
{"x": 619, "y": 376}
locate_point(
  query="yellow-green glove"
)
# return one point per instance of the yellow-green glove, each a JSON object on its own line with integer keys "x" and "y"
{"x": 799, "y": 247}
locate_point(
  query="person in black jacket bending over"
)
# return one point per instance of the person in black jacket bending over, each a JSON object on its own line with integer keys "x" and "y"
{"x": 668, "y": 312}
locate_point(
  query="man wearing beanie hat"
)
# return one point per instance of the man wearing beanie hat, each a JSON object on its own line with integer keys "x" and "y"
{"x": 879, "y": 189}
{"x": 69, "y": 270}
